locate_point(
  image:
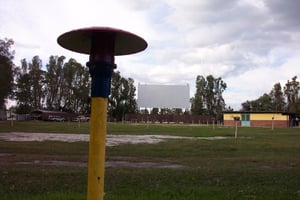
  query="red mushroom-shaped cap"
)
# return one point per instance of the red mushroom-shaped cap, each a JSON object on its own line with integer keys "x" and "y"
{"x": 82, "y": 40}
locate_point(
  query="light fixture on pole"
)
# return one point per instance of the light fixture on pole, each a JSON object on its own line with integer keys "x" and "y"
{"x": 102, "y": 44}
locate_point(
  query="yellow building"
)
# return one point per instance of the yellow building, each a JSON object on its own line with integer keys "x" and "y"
{"x": 261, "y": 119}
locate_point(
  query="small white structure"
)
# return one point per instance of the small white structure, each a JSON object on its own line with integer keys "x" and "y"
{"x": 163, "y": 96}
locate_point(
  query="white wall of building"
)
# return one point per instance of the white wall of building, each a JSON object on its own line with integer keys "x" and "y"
{"x": 163, "y": 96}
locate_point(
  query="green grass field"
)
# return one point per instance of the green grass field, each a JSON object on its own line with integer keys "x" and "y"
{"x": 260, "y": 164}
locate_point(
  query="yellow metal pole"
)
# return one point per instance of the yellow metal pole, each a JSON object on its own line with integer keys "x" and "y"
{"x": 101, "y": 66}
{"x": 102, "y": 43}
{"x": 96, "y": 164}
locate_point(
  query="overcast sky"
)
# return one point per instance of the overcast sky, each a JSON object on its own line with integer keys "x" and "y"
{"x": 250, "y": 44}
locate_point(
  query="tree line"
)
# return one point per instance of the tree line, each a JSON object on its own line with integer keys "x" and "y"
{"x": 279, "y": 99}
{"x": 208, "y": 99}
{"x": 64, "y": 85}
{"x": 60, "y": 85}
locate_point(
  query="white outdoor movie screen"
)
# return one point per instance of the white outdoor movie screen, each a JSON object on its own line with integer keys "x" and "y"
{"x": 163, "y": 96}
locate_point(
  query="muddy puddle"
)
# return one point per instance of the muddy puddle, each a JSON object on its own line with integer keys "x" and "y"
{"x": 111, "y": 140}
{"x": 108, "y": 164}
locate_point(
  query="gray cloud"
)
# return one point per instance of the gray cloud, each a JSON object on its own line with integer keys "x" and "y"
{"x": 285, "y": 13}
{"x": 232, "y": 39}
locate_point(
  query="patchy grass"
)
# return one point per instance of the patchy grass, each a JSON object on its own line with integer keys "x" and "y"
{"x": 264, "y": 165}
{"x": 44, "y": 127}
{"x": 138, "y": 129}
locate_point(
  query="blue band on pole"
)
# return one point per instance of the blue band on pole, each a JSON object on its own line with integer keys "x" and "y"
{"x": 101, "y": 73}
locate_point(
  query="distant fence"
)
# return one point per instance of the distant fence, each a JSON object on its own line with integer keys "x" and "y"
{"x": 188, "y": 119}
